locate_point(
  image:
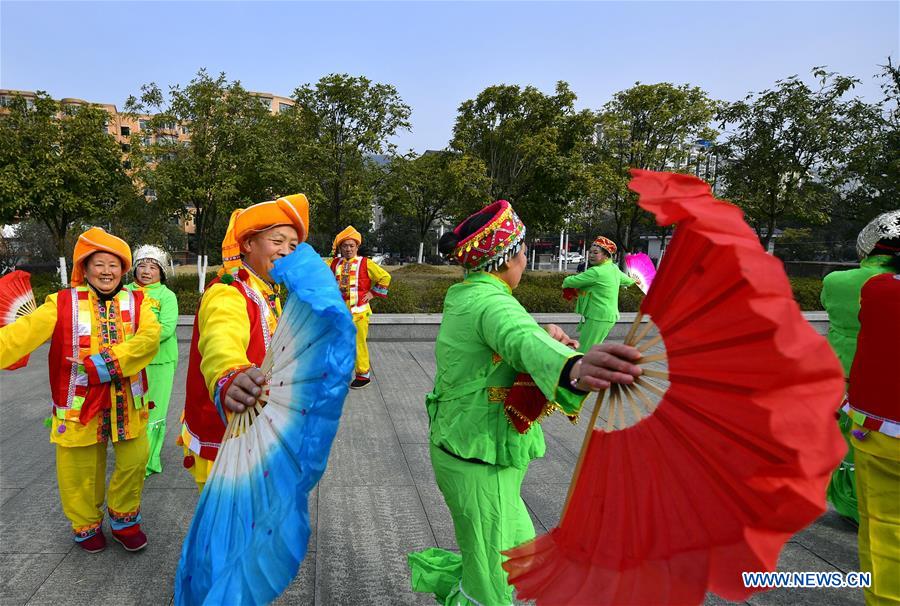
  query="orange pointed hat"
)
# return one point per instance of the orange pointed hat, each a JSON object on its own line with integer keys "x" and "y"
{"x": 96, "y": 239}
{"x": 349, "y": 233}
{"x": 290, "y": 210}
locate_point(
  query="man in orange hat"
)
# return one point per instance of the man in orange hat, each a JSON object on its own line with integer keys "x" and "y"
{"x": 597, "y": 289}
{"x": 360, "y": 280}
{"x": 102, "y": 337}
{"x": 234, "y": 325}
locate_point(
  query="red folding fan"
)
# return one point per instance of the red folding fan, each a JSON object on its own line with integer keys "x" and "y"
{"x": 16, "y": 300}
{"x": 705, "y": 469}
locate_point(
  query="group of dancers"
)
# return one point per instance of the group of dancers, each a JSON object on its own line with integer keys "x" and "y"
{"x": 113, "y": 357}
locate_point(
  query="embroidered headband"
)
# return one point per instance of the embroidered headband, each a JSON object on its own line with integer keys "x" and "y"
{"x": 494, "y": 243}
{"x": 606, "y": 244}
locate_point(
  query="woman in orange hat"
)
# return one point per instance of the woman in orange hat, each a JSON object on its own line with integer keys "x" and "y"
{"x": 232, "y": 329}
{"x": 102, "y": 336}
{"x": 598, "y": 293}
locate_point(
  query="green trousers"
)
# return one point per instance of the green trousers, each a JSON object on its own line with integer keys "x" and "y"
{"x": 489, "y": 516}
{"x": 842, "y": 487}
{"x": 159, "y": 381}
{"x": 592, "y": 332}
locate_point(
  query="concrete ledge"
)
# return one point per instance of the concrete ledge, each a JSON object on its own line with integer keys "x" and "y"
{"x": 424, "y": 327}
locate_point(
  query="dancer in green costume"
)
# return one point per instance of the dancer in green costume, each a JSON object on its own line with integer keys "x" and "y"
{"x": 150, "y": 266}
{"x": 840, "y": 298}
{"x": 598, "y": 293}
{"x": 479, "y": 458}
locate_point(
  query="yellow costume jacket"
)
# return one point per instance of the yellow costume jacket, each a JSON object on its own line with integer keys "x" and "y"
{"x": 98, "y": 399}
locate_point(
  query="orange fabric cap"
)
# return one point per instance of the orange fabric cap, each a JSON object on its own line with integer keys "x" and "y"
{"x": 96, "y": 239}
{"x": 349, "y": 233}
{"x": 290, "y": 210}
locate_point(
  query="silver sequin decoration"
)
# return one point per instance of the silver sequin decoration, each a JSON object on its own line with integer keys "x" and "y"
{"x": 886, "y": 225}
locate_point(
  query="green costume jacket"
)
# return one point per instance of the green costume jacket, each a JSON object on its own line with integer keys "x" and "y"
{"x": 598, "y": 286}
{"x": 165, "y": 307}
{"x": 486, "y": 338}
{"x": 840, "y": 298}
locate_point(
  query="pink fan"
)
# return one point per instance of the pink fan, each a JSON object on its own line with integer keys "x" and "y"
{"x": 16, "y": 300}
{"x": 640, "y": 268}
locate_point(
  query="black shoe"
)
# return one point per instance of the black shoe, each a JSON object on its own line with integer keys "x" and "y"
{"x": 360, "y": 382}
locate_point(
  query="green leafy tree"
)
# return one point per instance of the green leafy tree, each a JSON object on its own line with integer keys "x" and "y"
{"x": 870, "y": 176}
{"x": 650, "y": 126}
{"x": 58, "y": 165}
{"x": 436, "y": 185}
{"x": 785, "y": 148}
{"x": 226, "y": 163}
{"x": 532, "y": 146}
{"x": 330, "y": 141}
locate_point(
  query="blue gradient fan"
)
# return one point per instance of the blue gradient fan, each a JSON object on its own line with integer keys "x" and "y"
{"x": 251, "y": 527}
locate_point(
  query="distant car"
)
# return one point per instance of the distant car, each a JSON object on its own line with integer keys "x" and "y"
{"x": 381, "y": 258}
{"x": 573, "y": 257}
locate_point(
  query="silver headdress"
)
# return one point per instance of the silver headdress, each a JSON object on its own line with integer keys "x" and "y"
{"x": 153, "y": 253}
{"x": 884, "y": 226}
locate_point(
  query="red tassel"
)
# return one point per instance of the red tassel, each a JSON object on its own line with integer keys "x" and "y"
{"x": 570, "y": 293}
{"x": 188, "y": 462}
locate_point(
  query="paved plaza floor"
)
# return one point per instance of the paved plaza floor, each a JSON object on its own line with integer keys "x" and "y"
{"x": 376, "y": 502}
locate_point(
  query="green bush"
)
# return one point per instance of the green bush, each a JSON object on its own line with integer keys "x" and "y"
{"x": 807, "y": 292}
{"x": 422, "y": 288}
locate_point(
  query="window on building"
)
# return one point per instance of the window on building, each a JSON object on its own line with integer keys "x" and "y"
{"x": 149, "y": 192}
{"x": 126, "y": 148}
{"x": 5, "y": 101}
{"x": 145, "y": 140}
{"x": 266, "y": 101}
{"x": 144, "y": 124}
{"x": 126, "y": 164}
{"x": 125, "y": 131}
{"x": 184, "y": 130}
{"x": 283, "y": 107}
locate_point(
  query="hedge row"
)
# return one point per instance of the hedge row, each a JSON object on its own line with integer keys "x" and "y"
{"x": 421, "y": 289}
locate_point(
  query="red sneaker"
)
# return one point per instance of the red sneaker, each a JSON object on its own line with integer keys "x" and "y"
{"x": 95, "y": 543}
{"x": 131, "y": 538}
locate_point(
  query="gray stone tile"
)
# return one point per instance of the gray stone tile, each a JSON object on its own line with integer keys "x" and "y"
{"x": 418, "y": 458}
{"x": 545, "y": 501}
{"x": 365, "y": 451}
{"x": 554, "y": 467}
{"x": 423, "y": 354}
{"x": 365, "y": 534}
{"x": 302, "y": 590}
{"x": 795, "y": 557}
{"x": 438, "y": 515}
{"x": 32, "y": 521}
{"x": 403, "y": 386}
{"x": 833, "y": 539}
{"x": 8, "y": 493}
{"x": 144, "y": 577}
{"x": 21, "y": 574}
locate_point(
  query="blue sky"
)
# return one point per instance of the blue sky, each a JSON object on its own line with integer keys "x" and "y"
{"x": 439, "y": 54}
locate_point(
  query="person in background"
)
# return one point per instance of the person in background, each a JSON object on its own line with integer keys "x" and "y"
{"x": 840, "y": 298}
{"x": 873, "y": 405}
{"x": 597, "y": 289}
{"x": 360, "y": 280}
{"x": 150, "y": 267}
{"x": 101, "y": 338}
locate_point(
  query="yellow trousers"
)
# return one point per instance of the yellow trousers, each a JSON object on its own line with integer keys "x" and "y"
{"x": 199, "y": 468}
{"x": 878, "y": 495}
{"x": 81, "y": 474}
{"x": 361, "y": 321}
